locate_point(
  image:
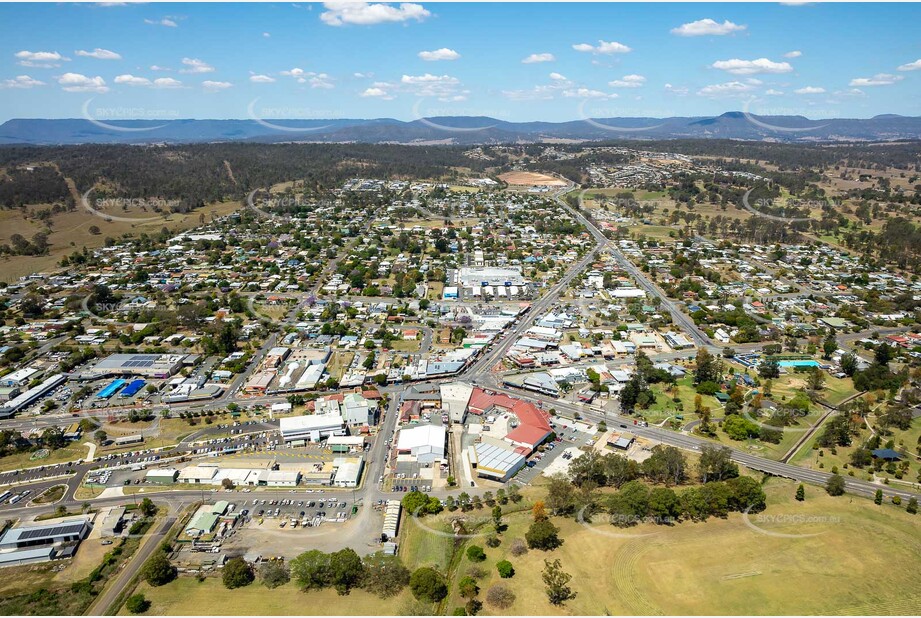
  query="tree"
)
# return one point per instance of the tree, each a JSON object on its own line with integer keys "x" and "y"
{"x": 664, "y": 505}
{"x": 557, "y": 583}
{"x": 514, "y": 493}
{"x": 835, "y": 485}
{"x": 912, "y": 506}
{"x": 346, "y": 570}
{"x": 274, "y": 574}
{"x": 849, "y": 363}
{"x": 385, "y": 575}
{"x": 707, "y": 367}
{"x": 100, "y": 436}
{"x": 472, "y": 607}
{"x": 505, "y": 568}
{"x": 227, "y": 484}
{"x": 539, "y": 511}
{"x": 158, "y": 570}
{"x": 147, "y": 507}
{"x": 883, "y": 354}
{"x": 815, "y": 379}
{"x": 667, "y": 465}
{"x": 497, "y": 518}
{"x": 542, "y": 534}
{"x": 800, "y": 493}
{"x": 500, "y": 596}
{"x": 878, "y": 498}
{"x": 475, "y": 553}
{"x": 829, "y": 345}
{"x": 237, "y": 573}
{"x": 769, "y": 368}
{"x": 561, "y": 498}
{"x": 427, "y": 584}
{"x": 137, "y": 604}
{"x": 716, "y": 464}
{"x": 311, "y": 570}
{"x": 468, "y": 587}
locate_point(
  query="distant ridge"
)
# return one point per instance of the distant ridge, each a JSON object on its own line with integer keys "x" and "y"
{"x": 459, "y": 130}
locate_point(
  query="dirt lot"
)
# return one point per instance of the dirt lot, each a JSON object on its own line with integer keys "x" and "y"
{"x": 531, "y": 179}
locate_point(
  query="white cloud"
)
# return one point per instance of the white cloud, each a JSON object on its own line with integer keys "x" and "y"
{"x": 266, "y": 35}
{"x": 880, "y": 79}
{"x": 21, "y": 81}
{"x": 75, "y": 82}
{"x": 810, "y": 90}
{"x": 727, "y": 89}
{"x": 376, "y": 93}
{"x": 793, "y": 54}
{"x": 320, "y": 80}
{"x": 532, "y": 94}
{"x": 215, "y": 86}
{"x": 367, "y": 14}
{"x": 707, "y": 27}
{"x": 261, "y": 79}
{"x": 603, "y": 47}
{"x": 773, "y": 93}
{"x": 534, "y": 58}
{"x": 99, "y": 54}
{"x": 558, "y": 77}
{"x": 162, "y": 83}
{"x": 752, "y": 67}
{"x": 679, "y": 90}
{"x": 131, "y": 80}
{"x": 40, "y": 60}
{"x": 628, "y": 81}
{"x": 439, "y": 54}
{"x": 166, "y": 82}
{"x": 155, "y": 67}
{"x": 911, "y": 66}
{"x": 166, "y": 21}
{"x": 316, "y": 80}
{"x": 196, "y": 66}
{"x": 587, "y": 93}
{"x": 851, "y": 92}
{"x": 444, "y": 87}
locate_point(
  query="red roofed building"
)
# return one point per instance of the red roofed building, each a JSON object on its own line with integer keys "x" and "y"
{"x": 533, "y": 423}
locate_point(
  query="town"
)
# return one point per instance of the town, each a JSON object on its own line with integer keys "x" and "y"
{"x": 312, "y": 373}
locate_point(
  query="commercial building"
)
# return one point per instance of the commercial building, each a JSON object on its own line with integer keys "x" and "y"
{"x": 494, "y": 460}
{"x": 454, "y": 398}
{"x": 348, "y": 471}
{"x": 62, "y": 531}
{"x": 20, "y": 377}
{"x": 491, "y": 276}
{"x": 312, "y": 428}
{"x": 425, "y": 443}
{"x": 158, "y": 366}
{"x": 162, "y": 476}
{"x": 31, "y": 396}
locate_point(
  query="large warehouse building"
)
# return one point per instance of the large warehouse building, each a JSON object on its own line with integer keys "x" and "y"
{"x": 311, "y": 427}
{"x": 424, "y": 442}
{"x": 158, "y": 366}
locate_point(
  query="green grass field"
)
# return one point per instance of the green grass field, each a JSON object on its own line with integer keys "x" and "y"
{"x": 861, "y": 561}
{"x": 188, "y": 596}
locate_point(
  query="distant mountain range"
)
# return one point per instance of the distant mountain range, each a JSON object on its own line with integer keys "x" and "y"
{"x": 459, "y": 130}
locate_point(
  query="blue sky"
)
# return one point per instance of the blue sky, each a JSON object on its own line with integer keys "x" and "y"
{"x": 516, "y": 62}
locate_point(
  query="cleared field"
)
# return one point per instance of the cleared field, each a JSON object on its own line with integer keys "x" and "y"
{"x": 846, "y": 568}
{"x": 531, "y": 179}
{"x": 19, "y": 461}
{"x": 186, "y": 596}
{"x": 70, "y": 231}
